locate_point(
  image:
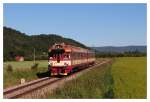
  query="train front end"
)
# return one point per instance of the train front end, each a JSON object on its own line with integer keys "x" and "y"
{"x": 59, "y": 60}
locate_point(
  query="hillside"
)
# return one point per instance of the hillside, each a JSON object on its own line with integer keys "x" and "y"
{"x": 109, "y": 49}
{"x": 18, "y": 43}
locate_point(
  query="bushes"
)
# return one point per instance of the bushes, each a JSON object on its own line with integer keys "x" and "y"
{"x": 9, "y": 68}
{"x": 22, "y": 70}
{"x": 34, "y": 66}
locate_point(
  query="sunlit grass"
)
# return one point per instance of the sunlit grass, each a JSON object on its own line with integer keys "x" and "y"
{"x": 130, "y": 78}
{"x": 25, "y": 64}
{"x": 93, "y": 84}
{"x": 22, "y": 70}
{"x": 125, "y": 78}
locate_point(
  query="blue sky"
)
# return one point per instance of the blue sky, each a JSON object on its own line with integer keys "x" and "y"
{"x": 90, "y": 24}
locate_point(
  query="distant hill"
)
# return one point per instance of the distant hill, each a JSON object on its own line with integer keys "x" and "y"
{"x": 109, "y": 49}
{"x": 18, "y": 43}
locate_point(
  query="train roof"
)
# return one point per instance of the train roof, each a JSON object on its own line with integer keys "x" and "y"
{"x": 70, "y": 48}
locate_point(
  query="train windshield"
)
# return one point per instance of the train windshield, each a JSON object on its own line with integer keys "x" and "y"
{"x": 59, "y": 54}
{"x": 56, "y": 52}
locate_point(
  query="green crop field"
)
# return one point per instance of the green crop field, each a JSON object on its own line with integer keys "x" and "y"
{"x": 20, "y": 70}
{"x": 125, "y": 78}
{"x": 130, "y": 77}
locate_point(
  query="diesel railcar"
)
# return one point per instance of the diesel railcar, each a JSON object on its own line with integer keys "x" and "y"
{"x": 65, "y": 59}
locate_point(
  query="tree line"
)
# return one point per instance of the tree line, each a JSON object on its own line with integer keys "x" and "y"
{"x": 124, "y": 54}
{"x": 17, "y": 43}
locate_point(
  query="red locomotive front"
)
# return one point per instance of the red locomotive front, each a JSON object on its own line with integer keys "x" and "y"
{"x": 65, "y": 59}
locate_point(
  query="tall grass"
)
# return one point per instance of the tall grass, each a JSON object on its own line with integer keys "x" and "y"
{"x": 125, "y": 78}
{"x": 93, "y": 84}
{"x": 22, "y": 70}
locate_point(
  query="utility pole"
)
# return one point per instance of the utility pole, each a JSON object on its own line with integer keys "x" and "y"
{"x": 34, "y": 56}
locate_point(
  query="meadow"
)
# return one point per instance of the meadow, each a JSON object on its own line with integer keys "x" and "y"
{"x": 125, "y": 78}
{"x": 130, "y": 77}
{"x": 14, "y": 71}
{"x": 25, "y": 64}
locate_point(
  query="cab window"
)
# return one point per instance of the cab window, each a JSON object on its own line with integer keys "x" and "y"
{"x": 66, "y": 55}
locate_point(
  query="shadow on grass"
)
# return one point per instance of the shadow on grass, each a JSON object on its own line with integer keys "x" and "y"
{"x": 109, "y": 83}
{"x": 109, "y": 94}
{"x": 47, "y": 74}
{"x": 43, "y": 74}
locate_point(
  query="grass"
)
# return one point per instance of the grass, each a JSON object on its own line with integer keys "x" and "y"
{"x": 20, "y": 70}
{"x": 25, "y": 64}
{"x": 93, "y": 84}
{"x": 125, "y": 78}
{"x": 130, "y": 78}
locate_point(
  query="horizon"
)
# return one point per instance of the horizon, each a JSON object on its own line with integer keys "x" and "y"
{"x": 90, "y": 24}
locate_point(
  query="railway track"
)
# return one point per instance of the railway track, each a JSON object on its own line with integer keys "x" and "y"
{"x": 18, "y": 91}
{"x": 15, "y": 92}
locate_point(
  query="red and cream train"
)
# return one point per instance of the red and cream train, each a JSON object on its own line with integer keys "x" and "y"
{"x": 64, "y": 59}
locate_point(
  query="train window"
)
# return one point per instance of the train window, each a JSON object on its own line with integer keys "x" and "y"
{"x": 81, "y": 55}
{"x": 75, "y": 55}
{"x": 66, "y": 55}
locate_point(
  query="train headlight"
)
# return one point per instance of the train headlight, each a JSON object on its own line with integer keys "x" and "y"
{"x": 50, "y": 63}
{"x": 65, "y": 64}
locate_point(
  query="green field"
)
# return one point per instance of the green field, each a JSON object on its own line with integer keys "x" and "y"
{"x": 125, "y": 78}
{"x": 130, "y": 77}
{"x": 25, "y": 64}
{"x": 22, "y": 70}
{"x": 92, "y": 84}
